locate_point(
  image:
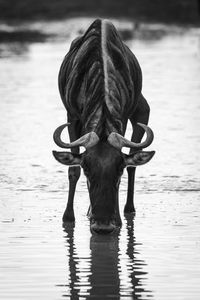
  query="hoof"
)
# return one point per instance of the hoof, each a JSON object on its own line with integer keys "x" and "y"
{"x": 129, "y": 210}
{"x": 68, "y": 218}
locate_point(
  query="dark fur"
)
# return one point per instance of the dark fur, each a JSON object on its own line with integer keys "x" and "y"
{"x": 103, "y": 165}
{"x": 89, "y": 108}
{"x": 81, "y": 82}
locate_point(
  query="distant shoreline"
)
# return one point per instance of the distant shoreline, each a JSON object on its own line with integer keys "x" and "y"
{"x": 183, "y": 12}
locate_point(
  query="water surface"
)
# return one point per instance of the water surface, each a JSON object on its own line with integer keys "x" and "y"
{"x": 156, "y": 255}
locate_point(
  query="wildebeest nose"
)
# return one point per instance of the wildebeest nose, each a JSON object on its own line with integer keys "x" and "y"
{"x": 102, "y": 228}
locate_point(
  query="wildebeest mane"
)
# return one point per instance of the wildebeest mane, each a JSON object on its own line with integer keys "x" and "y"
{"x": 96, "y": 80}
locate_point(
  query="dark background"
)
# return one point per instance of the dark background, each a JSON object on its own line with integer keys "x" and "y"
{"x": 173, "y": 11}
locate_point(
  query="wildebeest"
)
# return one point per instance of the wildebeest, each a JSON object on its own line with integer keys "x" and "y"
{"x": 100, "y": 84}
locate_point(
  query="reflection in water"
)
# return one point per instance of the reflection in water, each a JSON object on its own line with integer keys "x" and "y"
{"x": 110, "y": 270}
{"x": 104, "y": 277}
{"x": 73, "y": 268}
{"x": 33, "y": 186}
{"x": 134, "y": 266}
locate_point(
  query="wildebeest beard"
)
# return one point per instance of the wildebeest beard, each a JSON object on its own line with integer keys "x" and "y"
{"x": 103, "y": 167}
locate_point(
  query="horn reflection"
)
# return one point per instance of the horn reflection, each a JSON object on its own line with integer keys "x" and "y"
{"x": 104, "y": 267}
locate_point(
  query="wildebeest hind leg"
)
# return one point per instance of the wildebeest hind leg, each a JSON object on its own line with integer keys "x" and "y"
{"x": 73, "y": 175}
{"x": 141, "y": 115}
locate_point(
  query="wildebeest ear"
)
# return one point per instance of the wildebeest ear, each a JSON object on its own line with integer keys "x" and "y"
{"x": 67, "y": 158}
{"x": 138, "y": 158}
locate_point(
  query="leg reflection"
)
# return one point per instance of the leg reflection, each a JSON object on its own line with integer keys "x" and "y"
{"x": 72, "y": 278}
{"x": 133, "y": 287}
{"x": 106, "y": 268}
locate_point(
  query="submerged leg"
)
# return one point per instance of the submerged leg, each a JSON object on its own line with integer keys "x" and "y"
{"x": 129, "y": 206}
{"x": 141, "y": 115}
{"x": 73, "y": 175}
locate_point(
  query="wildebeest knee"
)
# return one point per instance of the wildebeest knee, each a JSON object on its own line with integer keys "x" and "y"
{"x": 74, "y": 173}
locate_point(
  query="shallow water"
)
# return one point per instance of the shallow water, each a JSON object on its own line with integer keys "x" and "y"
{"x": 156, "y": 255}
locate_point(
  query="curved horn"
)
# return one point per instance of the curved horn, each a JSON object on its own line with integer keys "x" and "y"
{"x": 88, "y": 140}
{"x": 118, "y": 141}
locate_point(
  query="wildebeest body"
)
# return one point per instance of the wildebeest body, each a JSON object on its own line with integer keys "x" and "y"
{"x": 100, "y": 84}
{"x": 100, "y": 80}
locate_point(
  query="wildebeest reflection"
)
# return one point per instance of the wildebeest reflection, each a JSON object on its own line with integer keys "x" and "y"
{"x": 110, "y": 271}
{"x": 100, "y": 84}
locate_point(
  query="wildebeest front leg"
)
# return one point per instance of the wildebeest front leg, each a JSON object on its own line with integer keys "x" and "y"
{"x": 118, "y": 218}
{"x": 73, "y": 175}
{"x": 141, "y": 115}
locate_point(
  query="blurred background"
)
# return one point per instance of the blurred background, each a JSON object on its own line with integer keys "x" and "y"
{"x": 184, "y": 11}
{"x": 16, "y": 16}
{"x": 156, "y": 254}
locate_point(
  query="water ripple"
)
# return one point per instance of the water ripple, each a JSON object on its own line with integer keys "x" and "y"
{"x": 154, "y": 255}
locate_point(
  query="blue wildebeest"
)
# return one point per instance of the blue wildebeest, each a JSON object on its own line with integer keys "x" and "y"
{"x": 100, "y": 84}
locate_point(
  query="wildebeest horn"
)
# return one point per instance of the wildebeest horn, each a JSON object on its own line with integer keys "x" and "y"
{"x": 118, "y": 141}
{"x": 88, "y": 140}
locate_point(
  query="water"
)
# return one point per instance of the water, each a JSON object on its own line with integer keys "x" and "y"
{"x": 156, "y": 255}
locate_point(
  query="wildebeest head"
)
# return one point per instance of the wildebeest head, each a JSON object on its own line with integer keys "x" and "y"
{"x": 103, "y": 164}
